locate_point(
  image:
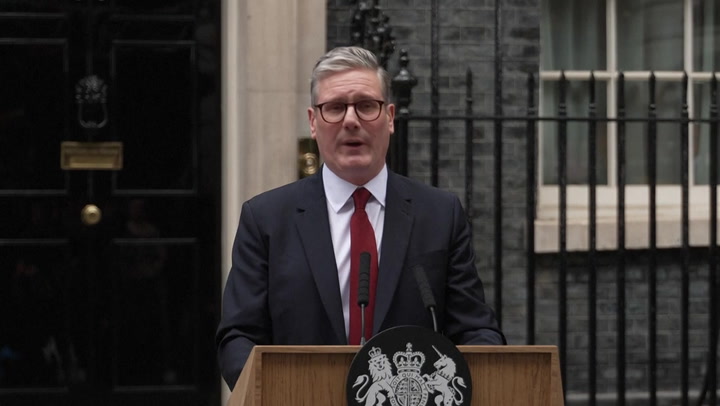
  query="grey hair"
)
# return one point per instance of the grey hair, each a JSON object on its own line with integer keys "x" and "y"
{"x": 347, "y": 58}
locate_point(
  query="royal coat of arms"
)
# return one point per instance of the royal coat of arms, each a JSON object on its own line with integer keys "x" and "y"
{"x": 407, "y": 386}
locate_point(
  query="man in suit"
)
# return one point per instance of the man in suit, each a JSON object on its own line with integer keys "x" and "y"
{"x": 293, "y": 280}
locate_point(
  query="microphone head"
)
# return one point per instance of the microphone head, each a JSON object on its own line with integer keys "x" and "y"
{"x": 424, "y": 286}
{"x": 364, "y": 279}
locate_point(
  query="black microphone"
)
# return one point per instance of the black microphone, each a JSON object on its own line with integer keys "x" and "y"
{"x": 363, "y": 297}
{"x": 426, "y": 293}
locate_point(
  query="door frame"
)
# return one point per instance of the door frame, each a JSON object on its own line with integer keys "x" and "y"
{"x": 268, "y": 50}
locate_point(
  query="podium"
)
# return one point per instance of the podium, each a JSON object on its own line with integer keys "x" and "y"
{"x": 315, "y": 375}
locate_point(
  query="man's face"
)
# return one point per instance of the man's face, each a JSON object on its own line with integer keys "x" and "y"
{"x": 353, "y": 149}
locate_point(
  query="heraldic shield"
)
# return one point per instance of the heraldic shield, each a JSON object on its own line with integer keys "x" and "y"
{"x": 409, "y": 366}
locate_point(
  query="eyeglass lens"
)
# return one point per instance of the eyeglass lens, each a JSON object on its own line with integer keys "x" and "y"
{"x": 366, "y": 110}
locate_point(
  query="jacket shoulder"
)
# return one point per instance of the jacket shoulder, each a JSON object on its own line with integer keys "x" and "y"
{"x": 287, "y": 195}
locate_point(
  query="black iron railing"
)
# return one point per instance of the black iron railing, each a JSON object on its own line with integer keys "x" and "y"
{"x": 603, "y": 372}
{"x": 399, "y": 162}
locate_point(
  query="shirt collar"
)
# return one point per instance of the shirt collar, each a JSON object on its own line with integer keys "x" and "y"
{"x": 338, "y": 191}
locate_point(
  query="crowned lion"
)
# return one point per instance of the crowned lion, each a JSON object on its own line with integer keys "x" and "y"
{"x": 381, "y": 373}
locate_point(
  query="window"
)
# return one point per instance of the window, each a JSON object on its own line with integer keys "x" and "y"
{"x": 636, "y": 38}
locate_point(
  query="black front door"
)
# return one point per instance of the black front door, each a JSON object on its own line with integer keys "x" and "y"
{"x": 109, "y": 265}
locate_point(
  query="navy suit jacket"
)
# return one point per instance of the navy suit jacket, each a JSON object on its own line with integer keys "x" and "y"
{"x": 283, "y": 285}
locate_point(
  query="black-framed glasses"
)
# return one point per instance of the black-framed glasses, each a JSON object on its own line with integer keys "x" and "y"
{"x": 366, "y": 110}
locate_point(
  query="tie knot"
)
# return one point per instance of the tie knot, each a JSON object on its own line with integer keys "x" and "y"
{"x": 361, "y": 197}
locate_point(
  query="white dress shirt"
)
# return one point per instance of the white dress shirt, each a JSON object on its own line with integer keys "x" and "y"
{"x": 338, "y": 194}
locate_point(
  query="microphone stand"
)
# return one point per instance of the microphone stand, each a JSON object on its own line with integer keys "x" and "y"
{"x": 434, "y": 319}
{"x": 362, "y": 324}
{"x": 426, "y": 293}
{"x": 363, "y": 290}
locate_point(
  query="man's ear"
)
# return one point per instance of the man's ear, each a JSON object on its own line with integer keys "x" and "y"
{"x": 311, "y": 120}
{"x": 391, "y": 118}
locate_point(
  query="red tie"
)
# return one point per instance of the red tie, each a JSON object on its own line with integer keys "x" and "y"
{"x": 362, "y": 239}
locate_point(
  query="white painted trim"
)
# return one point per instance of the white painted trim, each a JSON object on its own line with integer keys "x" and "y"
{"x": 688, "y": 67}
{"x": 609, "y": 398}
{"x": 610, "y": 49}
{"x": 668, "y": 198}
{"x": 629, "y": 75}
{"x": 232, "y": 115}
{"x": 637, "y": 221}
{"x": 669, "y": 234}
{"x": 268, "y": 51}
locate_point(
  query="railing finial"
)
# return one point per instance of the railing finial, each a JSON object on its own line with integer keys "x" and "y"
{"x": 402, "y": 85}
{"x": 369, "y": 29}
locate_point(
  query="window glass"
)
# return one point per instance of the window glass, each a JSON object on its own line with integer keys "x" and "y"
{"x": 701, "y": 133}
{"x": 573, "y": 35}
{"x": 650, "y": 34}
{"x": 706, "y": 35}
{"x": 668, "y": 100}
{"x": 577, "y": 99}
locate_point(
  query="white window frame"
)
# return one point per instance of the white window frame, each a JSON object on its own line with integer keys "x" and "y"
{"x": 668, "y": 197}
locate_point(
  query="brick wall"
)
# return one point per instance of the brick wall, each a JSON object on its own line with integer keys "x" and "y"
{"x": 467, "y": 41}
{"x": 669, "y": 276}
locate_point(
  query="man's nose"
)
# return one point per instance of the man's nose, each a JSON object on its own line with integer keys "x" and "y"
{"x": 351, "y": 117}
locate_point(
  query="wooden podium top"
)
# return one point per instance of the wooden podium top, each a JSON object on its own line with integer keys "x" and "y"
{"x": 316, "y": 375}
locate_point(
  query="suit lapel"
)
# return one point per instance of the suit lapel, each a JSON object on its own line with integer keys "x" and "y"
{"x": 396, "y": 234}
{"x": 314, "y": 228}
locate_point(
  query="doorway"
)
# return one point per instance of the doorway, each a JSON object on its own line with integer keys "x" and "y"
{"x": 110, "y": 202}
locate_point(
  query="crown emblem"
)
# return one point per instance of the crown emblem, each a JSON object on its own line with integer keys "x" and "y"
{"x": 375, "y": 352}
{"x": 409, "y": 361}
{"x": 377, "y": 358}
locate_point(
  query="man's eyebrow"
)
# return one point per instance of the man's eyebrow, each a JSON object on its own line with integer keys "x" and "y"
{"x": 345, "y": 99}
